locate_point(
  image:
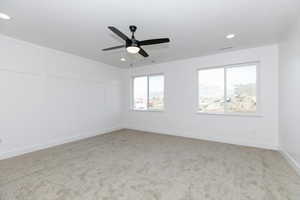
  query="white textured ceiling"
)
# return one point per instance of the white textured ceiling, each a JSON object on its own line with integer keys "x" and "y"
{"x": 195, "y": 27}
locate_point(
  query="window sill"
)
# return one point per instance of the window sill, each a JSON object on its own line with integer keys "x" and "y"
{"x": 137, "y": 110}
{"x": 231, "y": 114}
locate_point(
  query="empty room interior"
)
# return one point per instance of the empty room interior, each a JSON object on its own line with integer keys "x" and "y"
{"x": 150, "y": 100}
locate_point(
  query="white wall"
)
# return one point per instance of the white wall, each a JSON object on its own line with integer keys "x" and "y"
{"x": 180, "y": 118}
{"x": 48, "y": 97}
{"x": 289, "y": 95}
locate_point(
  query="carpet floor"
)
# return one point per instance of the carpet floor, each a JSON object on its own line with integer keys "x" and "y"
{"x": 133, "y": 165}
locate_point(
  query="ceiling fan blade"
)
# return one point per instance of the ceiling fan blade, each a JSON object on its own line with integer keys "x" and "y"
{"x": 119, "y": 33}
{"x": 112, "y": 48}
{"x": 143, "y": 52}
{"x": 154, "y": 41}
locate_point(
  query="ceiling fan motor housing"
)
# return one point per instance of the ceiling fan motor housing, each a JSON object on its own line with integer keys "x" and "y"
{"x": 133, "y": 43}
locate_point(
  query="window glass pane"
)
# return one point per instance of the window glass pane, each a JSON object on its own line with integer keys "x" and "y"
{"x": 211, "y": 90}
{"x": 156, "y": 92}
{"x": 140, "y": 93}
{"x": 241, "y": 89}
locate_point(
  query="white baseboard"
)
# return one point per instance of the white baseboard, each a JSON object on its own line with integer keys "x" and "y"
{"x": 290, "y": 160}
{"x": 213, "y": 139}
{"x": 53, "y": 143}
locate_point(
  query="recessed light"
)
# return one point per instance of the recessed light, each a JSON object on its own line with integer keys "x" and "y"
{"x": 4, "y": 16}
{"x": 123, "y": 59}
{"x": 230, "y": 36}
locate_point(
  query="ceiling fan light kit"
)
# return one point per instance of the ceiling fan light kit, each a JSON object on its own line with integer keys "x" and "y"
{"x": 132, "y": 45}
{"x": 132, "y": 49}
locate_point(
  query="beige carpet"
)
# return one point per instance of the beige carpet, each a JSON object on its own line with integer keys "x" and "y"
{"x": 131, "y": 165}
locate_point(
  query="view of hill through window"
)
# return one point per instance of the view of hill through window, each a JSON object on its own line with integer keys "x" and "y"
{"x": 229, "y": 89}
{"x": 148, "y": 92}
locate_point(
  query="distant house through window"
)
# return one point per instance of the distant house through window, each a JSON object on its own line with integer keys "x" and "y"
{"x": 148, "y": 92}
{"x": 230, "y": 89}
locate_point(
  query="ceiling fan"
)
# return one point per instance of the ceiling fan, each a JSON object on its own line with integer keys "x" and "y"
{"x": 132, "y": 45}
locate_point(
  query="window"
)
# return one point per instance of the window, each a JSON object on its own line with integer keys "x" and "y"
{"x": 148, "y": 92}
{"x": 230, "y": 89}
